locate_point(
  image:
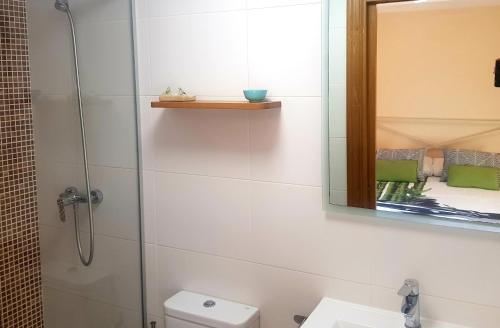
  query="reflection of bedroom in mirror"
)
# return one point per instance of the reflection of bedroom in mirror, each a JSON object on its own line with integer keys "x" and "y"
{"x": 438, "y": 109}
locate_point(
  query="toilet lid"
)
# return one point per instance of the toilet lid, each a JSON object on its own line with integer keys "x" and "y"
{"x": 210, "y": 311}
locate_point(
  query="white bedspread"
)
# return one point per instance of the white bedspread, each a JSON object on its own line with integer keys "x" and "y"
{"x": 486, "y": 201}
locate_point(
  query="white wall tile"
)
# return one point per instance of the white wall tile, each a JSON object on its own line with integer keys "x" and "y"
{"x": 278, "y": 3}
{"x": 276, "y": 292}
{"x": 56, "y": 126}
{"x": 57, "y": 130}
{"x": 111, "y": 281}
{"x": 102, "y": 115}
{"x": 83, "y": 11}
{"x": 468, "y": 314}
{"x": 149, "y": 118}
{"x": 116, "y": 216}
{"x": 349, "y": 291}
{"x": 100, "y": 11}
{"x": 286, "y": 218}
{"x": 123, "y": 288}
{"x": 143, "y": 57}
{"x": 106, "y": 56}
{"x": 273, "y": 35}
{"x": 50, "y": 69}
{"x": 204, "y": 54}
{"x": 161, "y": 8}
{"x": 286, "y": 144}
{"x": 141, "y": 9}
{"x": 149, "y": 205}
{"x": 201, "y": 142}
{"x": 104, "y": 315}
{"x": 442, "y": 309}
{"x": 153, "y": 303}
{"x": 210, "y": 215}
{"x": 63, "y": 310}
{"x": 57, "y": 245}
{"x": 455, "y": 265}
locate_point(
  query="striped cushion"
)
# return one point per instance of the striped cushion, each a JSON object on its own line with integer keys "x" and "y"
{"x": 468, "y": 157}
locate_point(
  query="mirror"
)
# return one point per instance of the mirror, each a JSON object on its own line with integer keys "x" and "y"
{"x": 414, "y": 108}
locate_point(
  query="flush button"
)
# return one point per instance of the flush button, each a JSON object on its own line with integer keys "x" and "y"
{"x": 209, "y": 303}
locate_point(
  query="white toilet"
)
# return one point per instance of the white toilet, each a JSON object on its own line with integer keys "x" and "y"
{"x": 191, "y": 310}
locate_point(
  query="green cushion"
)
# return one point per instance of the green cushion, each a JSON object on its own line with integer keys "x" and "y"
{"x": 397, "y": 170}
{"x": 473, "y": 177}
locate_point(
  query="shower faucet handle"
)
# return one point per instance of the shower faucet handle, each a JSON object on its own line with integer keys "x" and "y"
{"x": 68, "y": 197}
{"x": 62, "y": 212}
{"x": 70, "y": 191}
{"x": 71, "y": 196}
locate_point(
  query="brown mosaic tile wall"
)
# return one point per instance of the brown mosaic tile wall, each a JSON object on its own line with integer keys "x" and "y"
{"x": 20, "y": 279}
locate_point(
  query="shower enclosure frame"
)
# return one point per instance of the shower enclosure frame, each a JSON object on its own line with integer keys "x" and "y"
{"x": 140, "y": 185}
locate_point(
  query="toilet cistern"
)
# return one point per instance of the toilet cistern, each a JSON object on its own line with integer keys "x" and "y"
{"x": 191, "y": 310}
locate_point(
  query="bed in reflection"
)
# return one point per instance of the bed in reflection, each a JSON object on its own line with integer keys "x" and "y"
{"x": 447, "y": 183}
{"x": 437, "y": 118}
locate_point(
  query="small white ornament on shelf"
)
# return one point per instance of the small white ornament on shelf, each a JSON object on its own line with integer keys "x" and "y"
{"x": 181, "y": 95}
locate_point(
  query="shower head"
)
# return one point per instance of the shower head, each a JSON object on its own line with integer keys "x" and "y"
{"x": 61, "y": 5}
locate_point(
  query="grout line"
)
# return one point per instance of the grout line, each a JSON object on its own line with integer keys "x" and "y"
{"x": 236, "y": 97}
{"x": 317, "y": 2}
{"x": 233, "y": 178}
{"x": 260, "y": 264}
{"x": 248, "y": 114}
{"x": 149, "y": 69}
{"x": 215, "y": 12}
{"x": 442, "y": 298}
{"x": 155, "y": 209}
{"x": 241, "y": 97}
{"x": 95, "y": 166}
{"x": 319, "y": 275}
{"x": 58, "y": 227}
{"x": 73, "y": 96}
{"x": 96, "y": 300}
{"x": 222, "y": 11}
{"x": 79, "y": 165}
{"x": 248, "y": 44}
{"x": 89, "y": 22}
{"x": 156, "y": 279}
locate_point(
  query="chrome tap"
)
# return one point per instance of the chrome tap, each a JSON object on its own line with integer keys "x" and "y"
{"x": 411, "y": 305}
{"x": 71, "y": 196}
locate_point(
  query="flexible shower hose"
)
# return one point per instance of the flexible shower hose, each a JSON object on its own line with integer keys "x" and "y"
{"x": 85, "y": 260}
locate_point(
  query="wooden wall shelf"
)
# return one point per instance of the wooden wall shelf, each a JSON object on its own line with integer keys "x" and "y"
{"x": 229, "y": 105}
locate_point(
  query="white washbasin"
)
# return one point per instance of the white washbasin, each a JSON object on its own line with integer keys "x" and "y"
{"x": 332, "y": 313}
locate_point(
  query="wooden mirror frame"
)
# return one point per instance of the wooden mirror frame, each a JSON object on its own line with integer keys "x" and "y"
{"x": 361, "y": 101}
